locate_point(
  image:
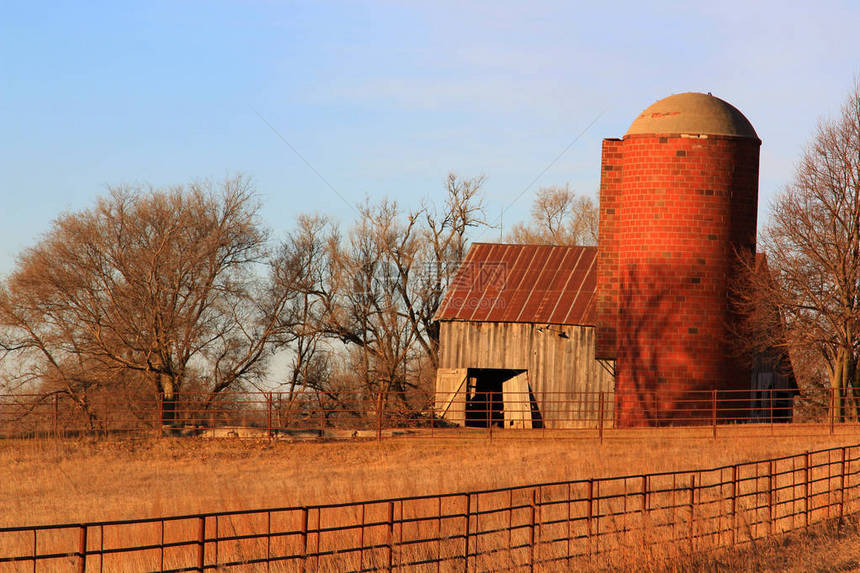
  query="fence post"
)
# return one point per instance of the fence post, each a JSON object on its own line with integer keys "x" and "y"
{"x": 468, "y": 521}
{"x": 692, "y": 510}
{"x": 770, "y": 497}
{"x": 569, "y": 520}
{"x": 596, "y": 517}
{"x": 390, "y": 536}
{"x": 268, "y": 540}
{"x": 361, "y": 537}
{"x": 842, "y": 486}
{"x": 201, "y": 542}
{"x": 600, "y": 416}
{"x": 269, "y": 414}
{"x": 304, "y": 538}
{"x": 806, "y": 490}
{"x": 543, "y": 416}
{"x": 490, "y": 414}
{"x": 532, "y": 512}
{"x": 770, "y": 394}
{"x": 646, "y": 509}
{"x": 714, "y": 412}
{"x": 379, "y": 417}
{"x": 590, "y": 513}
{"x": 847, "y": 484}
{"x": 734, "y": 504}
{"x": 832, "y": 409}
{"x": 82, "y": 550}
{"x": 159, "y": 425}
{"x": 510, "y": 521}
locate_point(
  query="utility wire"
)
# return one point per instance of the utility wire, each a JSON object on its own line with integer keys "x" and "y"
{"x": 548, "y": 167}
{"x": 308, "y": 163}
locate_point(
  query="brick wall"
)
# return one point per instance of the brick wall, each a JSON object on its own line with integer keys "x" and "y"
{"x": 607, "y": 250}
{"x": 676, "y": 209}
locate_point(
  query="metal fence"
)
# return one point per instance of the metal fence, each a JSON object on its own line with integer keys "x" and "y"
{"x": 312, "y": 415}
{"x": 579, "y": 524}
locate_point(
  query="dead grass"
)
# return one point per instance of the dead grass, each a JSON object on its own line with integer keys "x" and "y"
{"x": 828, "y": 547}
{"x": 71, "y": 481}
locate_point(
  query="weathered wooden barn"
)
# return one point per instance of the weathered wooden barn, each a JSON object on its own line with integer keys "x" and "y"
{"x": 517, "y": 339}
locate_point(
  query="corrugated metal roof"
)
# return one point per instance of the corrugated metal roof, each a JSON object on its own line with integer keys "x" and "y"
{"x": 544, "y": 284}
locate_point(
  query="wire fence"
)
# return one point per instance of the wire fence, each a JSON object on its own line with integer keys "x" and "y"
{"x": 575, "y": 525}
{"x": 498, "y": 413}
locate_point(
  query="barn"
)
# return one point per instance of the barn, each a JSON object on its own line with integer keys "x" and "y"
{"x": 517, "y": 339}
{"x": 534, "y": 335}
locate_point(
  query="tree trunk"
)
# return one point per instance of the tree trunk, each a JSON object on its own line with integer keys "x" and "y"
{"x": 836, "y": 389}
{"x": 847, "y": 387}
{"x": 851, "y": 379}
{"x": 169, "y": 401}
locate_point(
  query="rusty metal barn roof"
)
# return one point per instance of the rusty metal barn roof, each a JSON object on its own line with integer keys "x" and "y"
{"x": 544, "y": 284}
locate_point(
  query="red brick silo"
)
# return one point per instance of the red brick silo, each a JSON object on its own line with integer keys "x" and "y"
{"x": 678, "y": 201}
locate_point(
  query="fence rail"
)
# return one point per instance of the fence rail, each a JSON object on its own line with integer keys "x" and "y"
{"x": 317, "y": 414}
{"x": 574, "y": 523}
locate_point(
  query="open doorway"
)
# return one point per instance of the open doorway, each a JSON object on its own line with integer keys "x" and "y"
{"x": 500, "y": 397}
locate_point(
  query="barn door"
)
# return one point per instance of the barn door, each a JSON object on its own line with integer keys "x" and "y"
{"x": 451, "y": 394}
{"x": 517, "y": 403}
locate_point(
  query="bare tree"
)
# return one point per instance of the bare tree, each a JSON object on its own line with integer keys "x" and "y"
{"x": 302, "y": 271}
{"x": 346, "y": 290}
{"x": 812, "y": 243}
{"x": 375, "y": 261}
{"x": 444, "y": 241}
{"x": 155, "y": 284}
{"x": 419, "y": 254}
{"x": 558, "y": 217}
{"x": 378, "y": 289}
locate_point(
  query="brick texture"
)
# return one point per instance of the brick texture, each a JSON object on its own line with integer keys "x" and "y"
{"x": 607, "y": 251}
{"x": 674, "y": 212}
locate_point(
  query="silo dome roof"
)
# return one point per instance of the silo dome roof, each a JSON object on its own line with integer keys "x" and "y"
{"x": 694, "y": 113}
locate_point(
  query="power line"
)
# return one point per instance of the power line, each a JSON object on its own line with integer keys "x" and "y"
{"x": 548, "y": 167}
{"x": 308, "y": 163}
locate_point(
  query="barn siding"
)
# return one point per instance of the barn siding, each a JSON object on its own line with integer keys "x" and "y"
{"x": 563, "y": 373}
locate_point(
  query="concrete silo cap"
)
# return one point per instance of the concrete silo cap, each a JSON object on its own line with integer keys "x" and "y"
{"x": 692, "y": 113}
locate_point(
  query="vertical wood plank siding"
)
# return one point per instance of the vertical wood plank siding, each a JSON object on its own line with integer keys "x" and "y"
{"x": 563, "y": 373}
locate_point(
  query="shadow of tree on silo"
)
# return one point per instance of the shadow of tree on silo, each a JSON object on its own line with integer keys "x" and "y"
{"x": 657, "y": 382}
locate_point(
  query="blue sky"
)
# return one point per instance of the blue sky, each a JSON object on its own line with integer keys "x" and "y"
{"x": 384, "y": 98}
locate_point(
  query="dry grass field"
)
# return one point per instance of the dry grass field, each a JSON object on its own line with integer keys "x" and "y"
{"x": 71, "y": 481}
{"x": 827, "y": 548}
